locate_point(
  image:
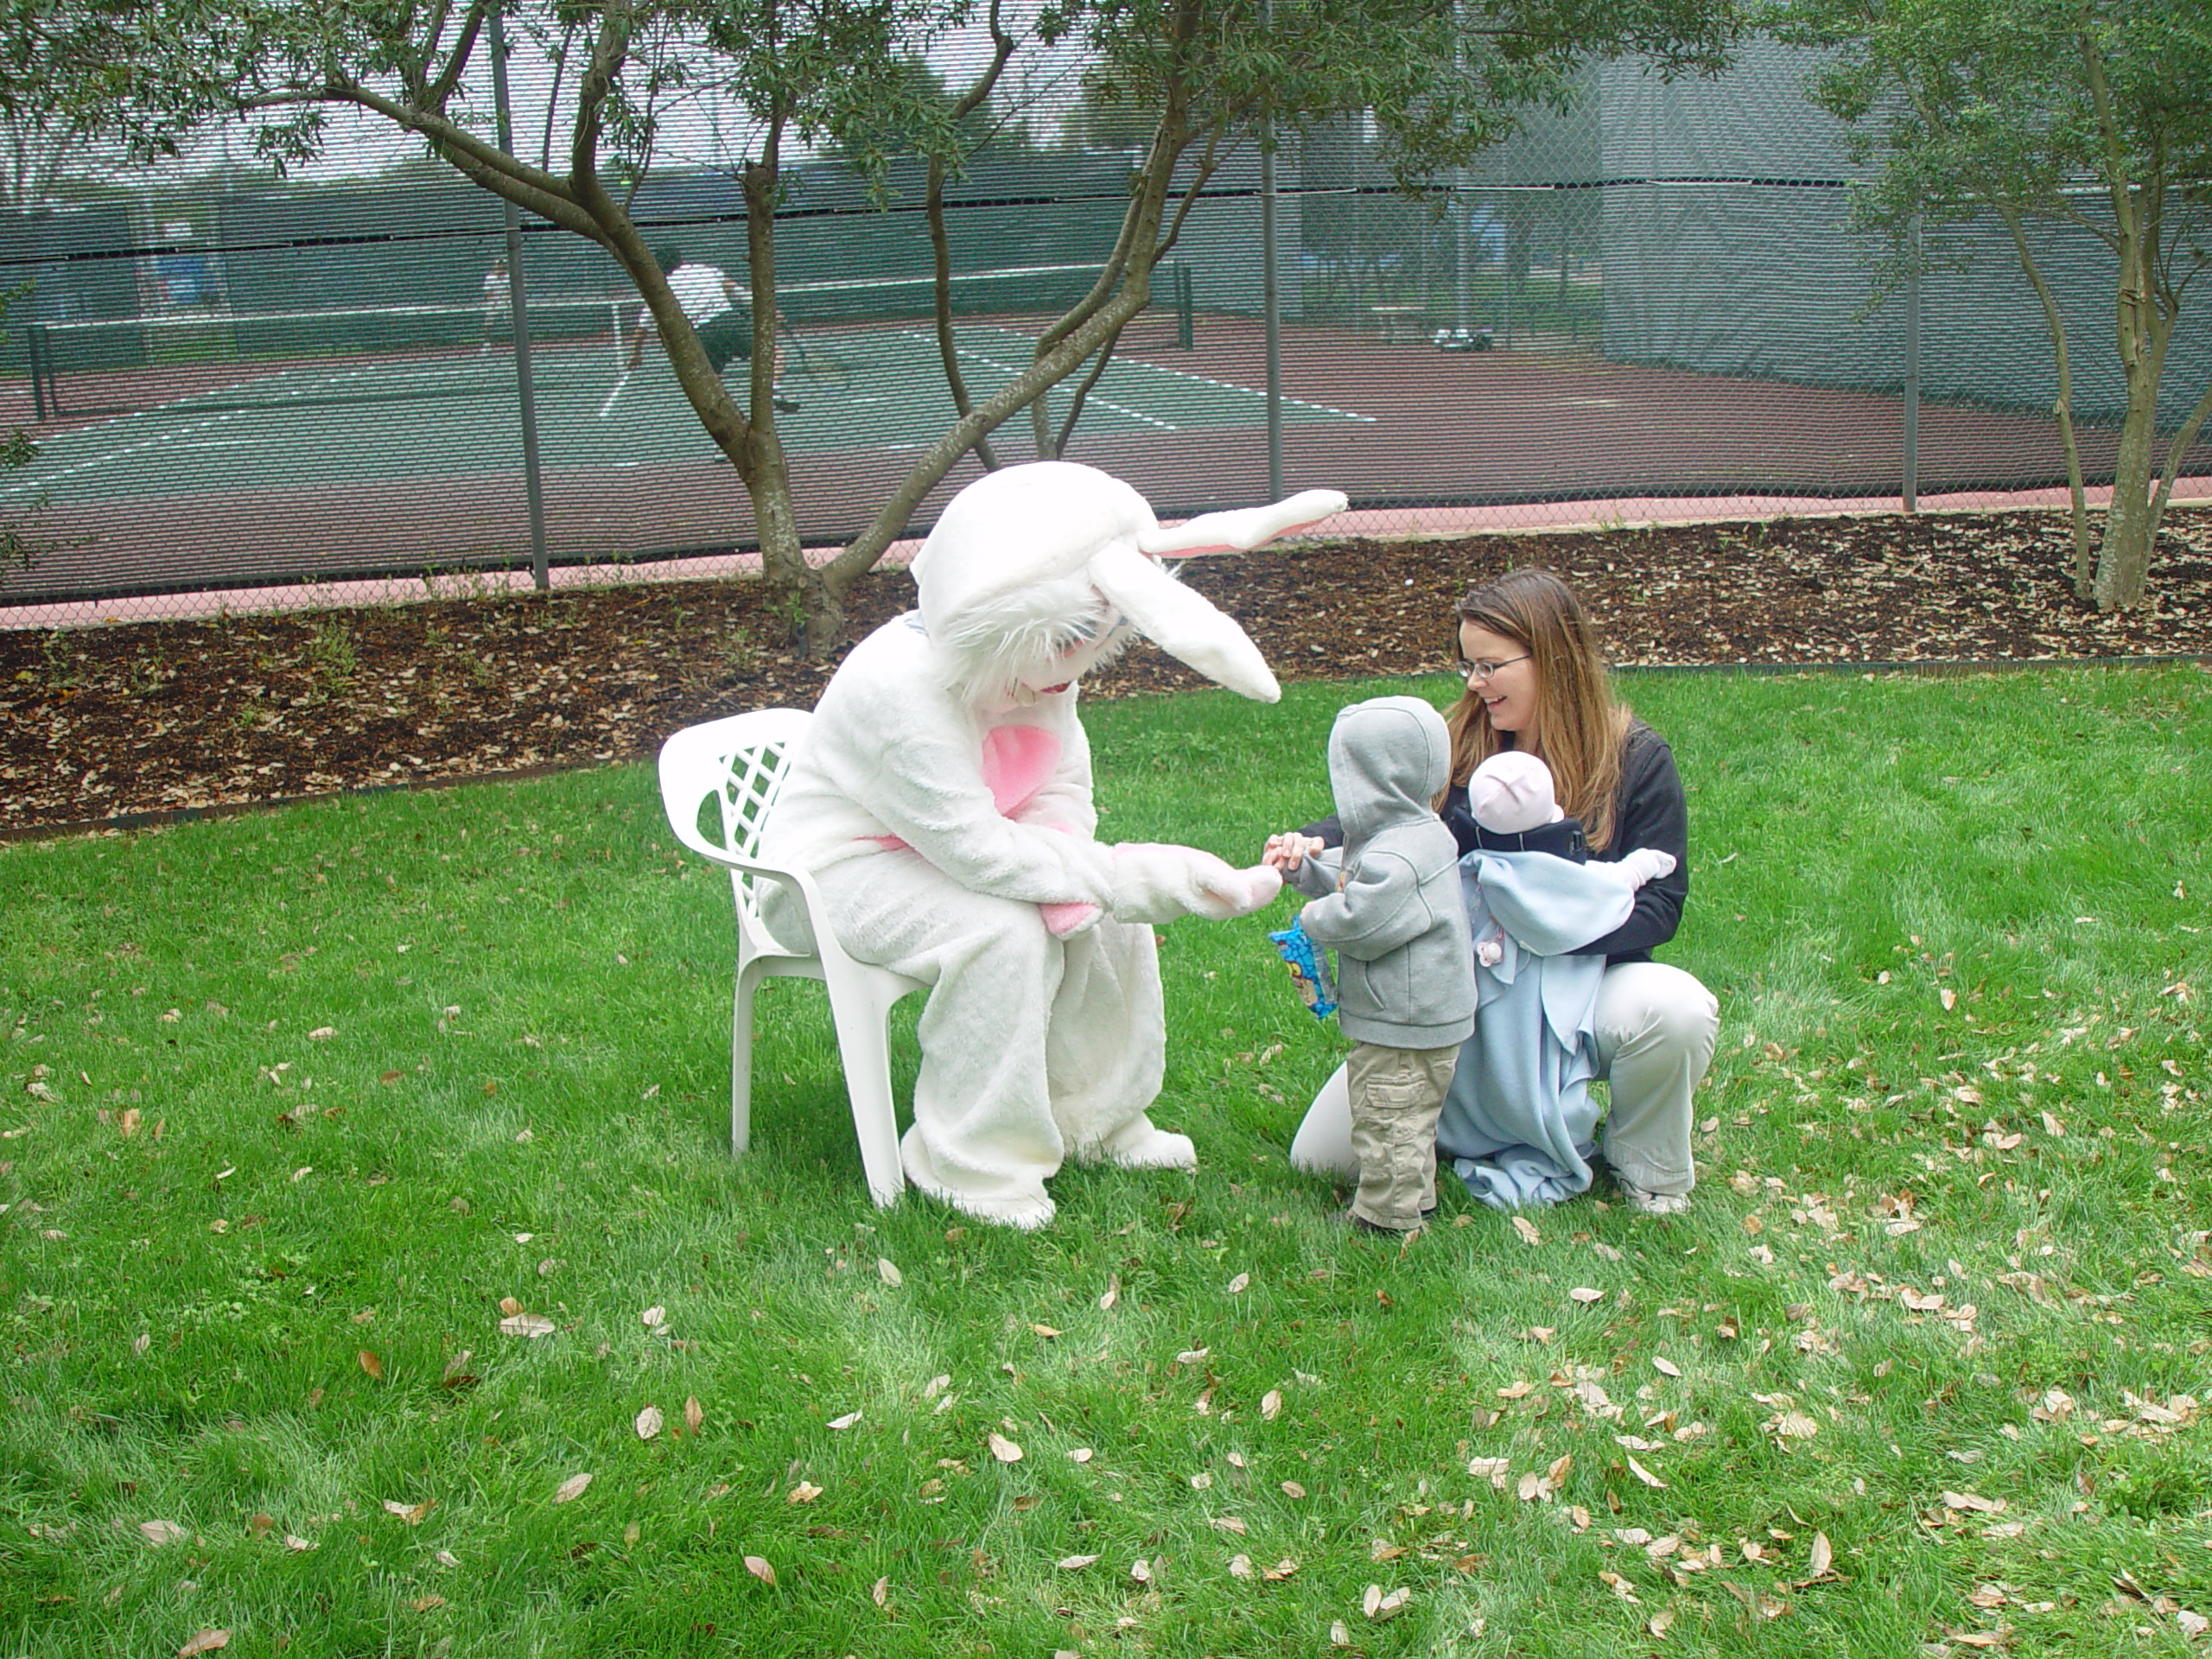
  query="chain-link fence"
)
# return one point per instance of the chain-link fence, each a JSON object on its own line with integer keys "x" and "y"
{"x": 1655, "y": 294}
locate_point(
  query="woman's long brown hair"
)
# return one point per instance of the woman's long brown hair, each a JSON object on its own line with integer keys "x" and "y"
{"x": 1581, "y": 727}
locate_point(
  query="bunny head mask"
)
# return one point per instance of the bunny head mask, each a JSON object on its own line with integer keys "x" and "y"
{"x": 1036, "y": 574}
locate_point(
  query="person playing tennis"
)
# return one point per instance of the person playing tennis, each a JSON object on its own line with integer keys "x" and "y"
{"x": 717, "y": 308}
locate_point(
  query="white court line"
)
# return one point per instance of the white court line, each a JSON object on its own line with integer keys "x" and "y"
{"x": 1218, "y": 385}
{"x": 1103, "y": 403}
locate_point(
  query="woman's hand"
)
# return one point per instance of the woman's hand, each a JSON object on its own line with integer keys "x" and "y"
{"x": 1290, "y": 849}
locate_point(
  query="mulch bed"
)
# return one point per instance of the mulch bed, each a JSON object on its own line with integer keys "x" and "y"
{"x": 110, "y": 722}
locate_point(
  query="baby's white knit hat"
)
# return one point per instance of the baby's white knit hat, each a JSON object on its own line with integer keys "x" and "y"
{"x": 1512, "y": 791}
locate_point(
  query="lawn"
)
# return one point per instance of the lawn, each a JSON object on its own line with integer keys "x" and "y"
{"x": 301, "y": 1109}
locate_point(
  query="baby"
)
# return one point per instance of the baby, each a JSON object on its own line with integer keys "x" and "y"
{"x": 1518, "y": 1122}
{"x": 1389, "y": 901}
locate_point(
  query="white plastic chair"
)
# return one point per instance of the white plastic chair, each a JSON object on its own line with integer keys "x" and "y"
{"x": 741, "y": 762}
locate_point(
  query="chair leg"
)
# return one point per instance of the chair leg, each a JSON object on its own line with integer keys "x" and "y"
{"x": 740, "y": 1061}
{"x": 864, "y": 1046}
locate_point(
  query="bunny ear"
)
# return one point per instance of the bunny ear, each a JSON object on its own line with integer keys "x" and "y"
{"x": 1244, "y": 529}
{"x": 1181, "y": 623}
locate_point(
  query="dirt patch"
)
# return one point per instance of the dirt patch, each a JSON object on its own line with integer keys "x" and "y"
{"x": 148, "y": 717}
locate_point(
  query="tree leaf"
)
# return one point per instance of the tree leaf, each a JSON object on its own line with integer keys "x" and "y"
{"x": 163, "y": 1532}
{"x": 1080, "y": 1454}
{"x": 1003, "y": 1449}
{"x": 527, "y": 1325}
{"x": 888, "y": 1272}
{"x": 845, "y": 1421}
{"x": 571, "y": 1489}
{"x": 1527, "y": 1229}
{"x": 881, "y": 1593}
{"x": 1271, "y": 1404}
{"x": 648, "y": 1423}
{"x": 205, "y": 1641}
{"x": 1645, "y": 1475}
{"x": 1076, "y": 1563}
{"x": 371, "y": 1364}
{"x": 1237, "y": 1286}
{"x": 1586, "y": 1295}
{"x": 806, "y": 1492}
{"x": 1665, "y": 1366}
{"x": 694, "y": 1417}
{"x": 1240, "y": 1567}
{"x": 1113, "y": 1292}
{"x": 412, "y": 1515}
{"x": 760, "y": 1569}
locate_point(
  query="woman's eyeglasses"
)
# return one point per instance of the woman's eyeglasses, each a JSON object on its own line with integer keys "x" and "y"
{"x": 1483, "y": 671}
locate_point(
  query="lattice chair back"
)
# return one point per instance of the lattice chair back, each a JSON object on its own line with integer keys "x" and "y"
{"x": 741, "y": 762}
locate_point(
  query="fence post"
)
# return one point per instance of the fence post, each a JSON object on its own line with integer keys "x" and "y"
{"x": 1270, "y": 294}
{"x": 1912, "y": 481}
{"x": 518, "y": 306}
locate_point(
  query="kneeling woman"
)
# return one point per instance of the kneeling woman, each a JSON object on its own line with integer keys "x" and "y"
{"x": 1537, "y": 683}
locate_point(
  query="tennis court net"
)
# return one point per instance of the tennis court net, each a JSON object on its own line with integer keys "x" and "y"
{"x": 214, "y": 360}
{"x": 123, "y": 364}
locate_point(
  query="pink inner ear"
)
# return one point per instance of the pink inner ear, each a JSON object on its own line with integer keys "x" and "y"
{"x": 1017, "y": 761}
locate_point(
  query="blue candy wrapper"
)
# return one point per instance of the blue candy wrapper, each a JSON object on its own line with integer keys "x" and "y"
{"x": 1309, "y": 970}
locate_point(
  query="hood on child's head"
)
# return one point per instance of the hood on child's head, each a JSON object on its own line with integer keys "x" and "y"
{"x": 1036, "y": 574}
{"x": 1389, "y": 759}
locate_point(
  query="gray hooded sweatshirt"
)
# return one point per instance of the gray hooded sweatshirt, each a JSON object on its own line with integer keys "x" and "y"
{"x": 1398, "y": 922}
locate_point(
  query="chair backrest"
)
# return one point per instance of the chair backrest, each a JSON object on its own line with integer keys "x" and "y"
{"x": 741, "y": 762}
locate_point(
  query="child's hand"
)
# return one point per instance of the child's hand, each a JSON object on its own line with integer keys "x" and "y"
{"x": 1290, "y": 849}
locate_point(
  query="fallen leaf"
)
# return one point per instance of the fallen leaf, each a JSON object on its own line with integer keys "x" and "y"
{"x": 411, "y": 1514}
{"x": 1380, "y": 1607}
{"x": 527, "y": 1325}
{"x": 1046, "y": 1331}
{"x": 1338, "y": 1636}
{"x": 1003, "y": 1449}
{"x": 571, "y": 1489}
{"x": 1974, "y": 1501}
{"x": 693, "y": 1416}
{"x": 1660, "y": 1622}
{"x": 653, "y": 1318}
{"x": 1645, "y": 1475}
{"x": 1201, "y": 1481}
{"x": 425, "y": 1604}
{"x": 1292, "y": 1488}
{"x": 1076, "y": 1563}
{"x": 1141, "y": 1570}
{"x": 1282, "y": 1570}
{"x": 1191, "y": 1355}
{"x": 648, "y": 1423}
{"x": 205, "y": 1642}
{"x": 1229, "y": 1523}
{"x": 1665, "y": 1367}
{"x": 881, "y": 1593}
{"x": 1585, "y": 1295}
{"x": 296, "y": 1544}
{"x": 1113, "y": 1292}
{"x": 888, "y": 1272}
{"x": 163, "y": 1532}
{"x": 1527, "y": 1229}
{"x": 1237, "y": 1285}
{"x": 1271, "y": 1404}
{"x": 806, "y": 1492}
{"x": 1240, "y": 1567}
{"x": 1821, "y": 1561}
{"x": 760, "y": 1569}
{"x": 1080, "y": 1454}
{"x": 371, "y": 1364}
{"x": 845, "y": 1421}
{"x": 1947, "y": 997}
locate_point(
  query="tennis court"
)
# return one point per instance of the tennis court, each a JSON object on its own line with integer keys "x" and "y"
{"x": 310, "y": 425}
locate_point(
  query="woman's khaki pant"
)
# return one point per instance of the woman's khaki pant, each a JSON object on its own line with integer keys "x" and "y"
{"x": 1656, "y": 1027}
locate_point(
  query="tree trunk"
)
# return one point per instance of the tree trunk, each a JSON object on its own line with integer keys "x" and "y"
{"x": 2124, "y": 560}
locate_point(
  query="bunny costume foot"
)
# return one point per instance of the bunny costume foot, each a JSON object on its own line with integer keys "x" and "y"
{"x": 942, "y": 799}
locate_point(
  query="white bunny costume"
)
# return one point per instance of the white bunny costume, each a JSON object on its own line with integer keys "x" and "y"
{"x": 942, "y": 800}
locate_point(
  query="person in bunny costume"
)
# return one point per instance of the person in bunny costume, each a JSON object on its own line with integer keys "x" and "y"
{"x": 942, "y": 799}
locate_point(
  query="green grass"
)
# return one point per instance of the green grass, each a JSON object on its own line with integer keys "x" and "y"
{"x": 288, "y": 1091}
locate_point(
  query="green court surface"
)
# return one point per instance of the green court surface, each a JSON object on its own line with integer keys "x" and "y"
{"x": 385, "y": 421}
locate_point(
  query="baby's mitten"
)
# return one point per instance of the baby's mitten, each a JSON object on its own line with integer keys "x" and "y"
{"x": 1646, "y": 864}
